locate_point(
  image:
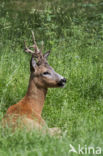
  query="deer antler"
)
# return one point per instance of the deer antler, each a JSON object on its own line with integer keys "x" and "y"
{"x": 36, "y": 53}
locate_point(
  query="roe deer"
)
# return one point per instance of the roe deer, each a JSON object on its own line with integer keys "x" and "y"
{"x": 29, "y": 109}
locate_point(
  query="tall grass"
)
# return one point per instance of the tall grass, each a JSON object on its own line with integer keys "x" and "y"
{"x": 75, "y": 39}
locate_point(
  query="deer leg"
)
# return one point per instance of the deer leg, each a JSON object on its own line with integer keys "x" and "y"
{"x": 52, "y": 131}
{"x": 55, "y": 131}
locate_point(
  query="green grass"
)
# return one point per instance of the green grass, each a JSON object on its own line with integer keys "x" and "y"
{"x": 76, "y": 53}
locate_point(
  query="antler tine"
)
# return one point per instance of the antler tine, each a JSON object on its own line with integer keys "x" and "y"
{"x": 33, "y": 37}
{"x": 36, "y": 52}
{"x": 35, "y": 45}
{"x": 27, "y": 49}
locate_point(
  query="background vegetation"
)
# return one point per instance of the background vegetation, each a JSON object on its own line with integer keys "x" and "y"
{"x": 73, "y": 31}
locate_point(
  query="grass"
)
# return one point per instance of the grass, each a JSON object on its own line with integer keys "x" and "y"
{"x": 77, "y": 109}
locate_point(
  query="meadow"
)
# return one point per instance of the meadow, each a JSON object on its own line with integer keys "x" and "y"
{"x": 73, "y": 31}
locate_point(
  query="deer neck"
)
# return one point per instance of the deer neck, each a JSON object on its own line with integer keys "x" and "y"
{"x": 35, "y": 96}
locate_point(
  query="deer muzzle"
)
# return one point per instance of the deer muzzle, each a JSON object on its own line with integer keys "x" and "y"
{"x": 62, "y": 82}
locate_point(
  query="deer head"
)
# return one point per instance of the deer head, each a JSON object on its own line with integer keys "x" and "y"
{"x": 42, "y": 74}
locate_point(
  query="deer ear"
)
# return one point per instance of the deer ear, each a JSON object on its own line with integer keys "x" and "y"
{"x": 46, "y": 54}
{"x": 32, "y": 64}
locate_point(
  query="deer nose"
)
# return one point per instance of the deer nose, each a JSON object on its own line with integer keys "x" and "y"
{"x": 63, "y": 80}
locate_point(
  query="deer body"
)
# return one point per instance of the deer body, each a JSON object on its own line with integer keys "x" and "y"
{"x": 29, "y": 109}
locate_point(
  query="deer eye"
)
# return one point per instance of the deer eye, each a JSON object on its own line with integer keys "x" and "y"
{"x": 46, "y": 73}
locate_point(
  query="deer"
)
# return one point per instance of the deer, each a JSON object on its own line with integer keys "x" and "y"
{"x": 29, "y": 109}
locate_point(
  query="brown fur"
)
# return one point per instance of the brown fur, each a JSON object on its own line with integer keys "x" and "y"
{"x": 29, "y": 109}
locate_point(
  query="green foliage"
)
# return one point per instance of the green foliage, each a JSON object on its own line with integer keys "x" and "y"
{"x": 73, "y": 32}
